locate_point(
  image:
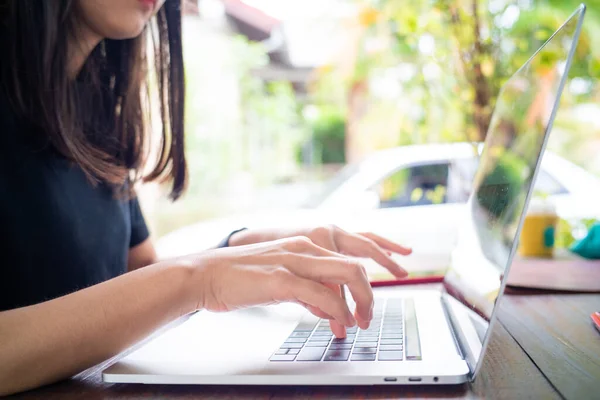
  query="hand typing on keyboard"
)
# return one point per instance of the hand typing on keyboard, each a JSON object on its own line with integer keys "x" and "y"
{"x": 337, "y": 240}
{"x": 307, "y": 269}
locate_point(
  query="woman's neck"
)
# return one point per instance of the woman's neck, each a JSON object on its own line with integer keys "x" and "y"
{"x": 80, "y": 45}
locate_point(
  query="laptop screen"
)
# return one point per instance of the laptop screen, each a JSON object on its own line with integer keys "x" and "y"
{"x": 515, "y": 141}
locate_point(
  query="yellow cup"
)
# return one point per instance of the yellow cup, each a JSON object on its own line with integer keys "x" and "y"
{"x": 538, "y": 233}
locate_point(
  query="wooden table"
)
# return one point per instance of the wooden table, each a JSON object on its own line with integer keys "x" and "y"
{"x": 544, "y": 347}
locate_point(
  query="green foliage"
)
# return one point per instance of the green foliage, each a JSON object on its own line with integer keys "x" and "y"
{"x": 329, "y": 133}
{"x": 462, "y": 52}
{"x": 236, "y": 122}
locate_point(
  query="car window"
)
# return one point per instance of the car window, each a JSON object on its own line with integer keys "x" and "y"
{"x": 412, "y": 186}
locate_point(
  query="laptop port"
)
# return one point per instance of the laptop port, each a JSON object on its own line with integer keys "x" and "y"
{"x": 390, "y": 379}
{"x": 411, "y": 379}
{"x": 435, "y": 379}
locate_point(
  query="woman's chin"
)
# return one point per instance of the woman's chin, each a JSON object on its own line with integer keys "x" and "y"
{"x": 126, "y": 32}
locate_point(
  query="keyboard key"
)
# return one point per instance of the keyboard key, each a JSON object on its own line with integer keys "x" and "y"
{"x": 391, "y": 341}
{"x": 300, "y": 334}
{"x": 368, "y": 350}
{"x": 365, "y": 342}
{"x": 390, "y": 347}
{"x": 413, "y": 344}
{"x": 281, "y": 352}
{"x": 295, "y": 340}
{"x": 322, "y": 333}
{"x": 390, "y": 356}
{"x": 368, "y": 334}
{"x": 323, "y": 338}
{"x": 341, "y": 346}
{"x": 346, "y": 340}
{"x": 337, "y": 355}
{"x": 311, "y": 354}
{"x": 343, "y": 341}
{"x": 288, "y": 345}
{"x": 307, "y": 323}
{"x": 317, "y": 344}
{"x": 286, "y": 357}
{"x": 392, "y": 335}
{"x": 293, "y": 351}
{"x": 319, "y": 339}
{"x": 362, "y": 357}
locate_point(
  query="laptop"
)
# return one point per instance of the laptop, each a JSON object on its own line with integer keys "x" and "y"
{"x": 416, "y": 336}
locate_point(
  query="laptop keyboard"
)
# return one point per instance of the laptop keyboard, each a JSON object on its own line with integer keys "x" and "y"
{"x": 392, "y": 336}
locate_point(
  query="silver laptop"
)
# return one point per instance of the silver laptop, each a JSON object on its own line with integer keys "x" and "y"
{"x": 416, "y": 337}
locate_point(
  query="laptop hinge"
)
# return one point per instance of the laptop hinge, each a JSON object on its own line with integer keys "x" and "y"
{"x": 447, "y": 311}
{"x": 460, "y": 341}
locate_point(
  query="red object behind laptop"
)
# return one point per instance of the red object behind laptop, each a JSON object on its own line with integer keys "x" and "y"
{"x": 596, "y": 320}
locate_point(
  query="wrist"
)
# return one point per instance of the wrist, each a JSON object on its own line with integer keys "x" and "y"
{"x": 186, "y": 278}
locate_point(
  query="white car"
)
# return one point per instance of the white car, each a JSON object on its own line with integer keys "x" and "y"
{"x": 409, "y": 176}
{"x": 411, "y": 194}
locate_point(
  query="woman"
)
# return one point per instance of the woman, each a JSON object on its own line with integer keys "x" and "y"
{"x": 79, "y": 278}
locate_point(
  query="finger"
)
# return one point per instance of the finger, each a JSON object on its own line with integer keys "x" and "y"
{"x": 338, "y": 271}
{"x": 291, "y": 287}
{"x": 361, "y": 246}
{"x": 338, "y": 329}
{"x": 304, "y": 245}
{"x": 317, "y": 311}
{"x": 388, "y": 244}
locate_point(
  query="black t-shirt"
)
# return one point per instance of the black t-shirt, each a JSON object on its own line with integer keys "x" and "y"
{"x": 58, "y": 232}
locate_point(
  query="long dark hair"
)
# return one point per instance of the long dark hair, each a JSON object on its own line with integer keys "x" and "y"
{"x": 114, "y": 148}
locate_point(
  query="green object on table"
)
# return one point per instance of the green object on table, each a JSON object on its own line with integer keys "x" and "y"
{"x": 589, "y": 246}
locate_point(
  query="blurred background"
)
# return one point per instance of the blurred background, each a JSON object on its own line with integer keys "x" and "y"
{"x": 310, "y": 110}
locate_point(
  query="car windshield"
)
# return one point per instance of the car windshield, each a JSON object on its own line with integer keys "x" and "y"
{"x": 332, "y": 185}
